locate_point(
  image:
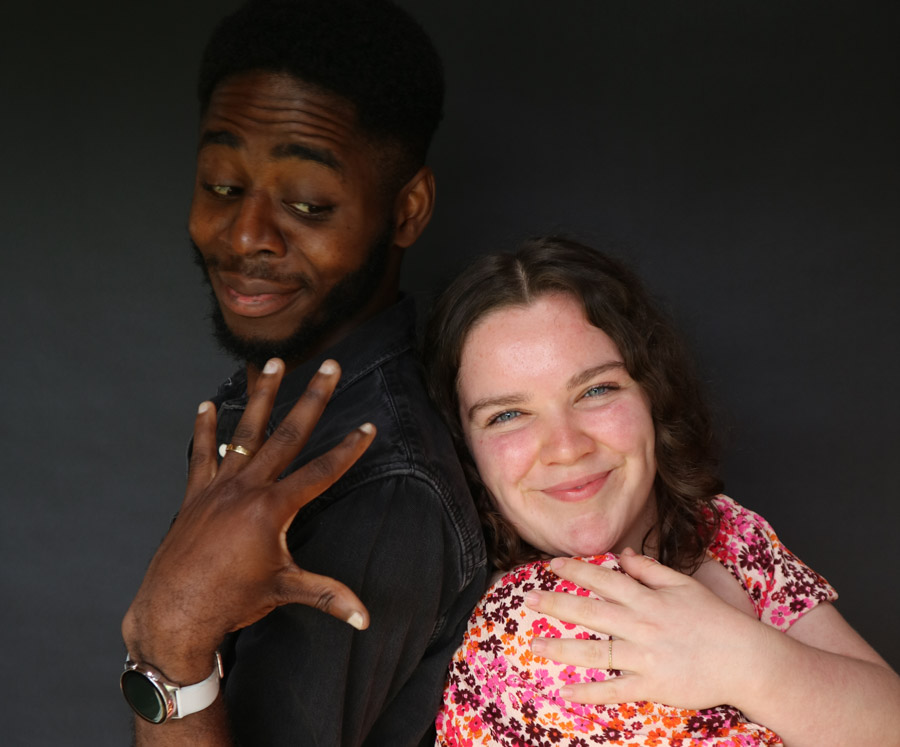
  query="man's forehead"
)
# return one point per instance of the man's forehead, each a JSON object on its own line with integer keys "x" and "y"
{"x": 297, "y": 120}
{"x": 278, "y": 92}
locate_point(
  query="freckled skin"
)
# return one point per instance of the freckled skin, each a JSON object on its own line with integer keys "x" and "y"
{"x": 564, "y": 439}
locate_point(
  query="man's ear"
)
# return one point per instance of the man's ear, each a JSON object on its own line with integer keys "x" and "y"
{"x": 413, "y": 207}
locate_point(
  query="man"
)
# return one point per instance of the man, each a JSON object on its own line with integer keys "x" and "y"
{"x": 316, "y": 117}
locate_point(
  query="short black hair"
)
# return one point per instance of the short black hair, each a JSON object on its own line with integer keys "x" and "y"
{"x": 371, "y": 53}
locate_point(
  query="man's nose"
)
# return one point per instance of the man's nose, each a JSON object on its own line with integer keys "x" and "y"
{"x": 565, "y": 441}
{"x": 255, "y": 228}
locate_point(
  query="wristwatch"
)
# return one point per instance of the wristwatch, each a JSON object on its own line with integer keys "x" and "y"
{"x": 156, "y": 700}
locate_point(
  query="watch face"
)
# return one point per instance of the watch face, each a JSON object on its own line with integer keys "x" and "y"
{"x": 144, "y": 696}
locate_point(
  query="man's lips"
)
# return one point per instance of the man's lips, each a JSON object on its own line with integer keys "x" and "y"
{"x": 254, "y": 297}
{"x": 578, "y": 489}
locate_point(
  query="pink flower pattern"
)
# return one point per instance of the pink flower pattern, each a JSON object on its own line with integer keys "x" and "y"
{"x": 499, "y": 694}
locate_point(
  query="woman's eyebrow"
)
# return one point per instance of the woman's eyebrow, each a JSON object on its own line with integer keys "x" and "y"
{"x": 506, "y": 400}
{"x": 585, "y": 376}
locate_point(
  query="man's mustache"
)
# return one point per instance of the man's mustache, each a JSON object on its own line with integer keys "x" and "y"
{"x": 256, "y": 269}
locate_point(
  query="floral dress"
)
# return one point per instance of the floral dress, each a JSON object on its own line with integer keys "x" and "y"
{"x": 498, "y": 693}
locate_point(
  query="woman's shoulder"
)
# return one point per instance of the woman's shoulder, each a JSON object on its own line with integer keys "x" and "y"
{"x": 780, "y": 586}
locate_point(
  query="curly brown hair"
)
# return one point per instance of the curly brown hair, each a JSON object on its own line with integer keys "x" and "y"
{"x": 615, "y": 301}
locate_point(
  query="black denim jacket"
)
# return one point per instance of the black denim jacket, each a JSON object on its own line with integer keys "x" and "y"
{"x": 399, "y": 529}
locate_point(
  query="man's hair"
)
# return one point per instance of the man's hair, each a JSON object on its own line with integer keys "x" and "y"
{"x": 369, "y": 52}
{"x": 615, "y": 301}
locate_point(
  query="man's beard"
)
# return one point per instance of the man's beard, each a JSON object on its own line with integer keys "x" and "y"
{"x": 342, "y": 302}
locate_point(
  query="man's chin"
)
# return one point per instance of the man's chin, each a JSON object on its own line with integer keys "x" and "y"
{"x": 255, "y": 350}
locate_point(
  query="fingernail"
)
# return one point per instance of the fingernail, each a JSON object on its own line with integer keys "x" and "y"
{"x": 566, "y": 692}
{"x": 538, "y": 645}
{"x": 356, "y": 620}
{"x": 204, "y": 406}
{"x": 367, "y": 428}
{"x": 271, "y": 367}
{"x": 557, "y": 563}
{"x": 328, "y": 367}
{"x": 628, "y": 551}
{"x": 532, "y": 599}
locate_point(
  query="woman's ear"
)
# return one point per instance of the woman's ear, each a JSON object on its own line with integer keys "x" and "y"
{"x": 413, "y": 207}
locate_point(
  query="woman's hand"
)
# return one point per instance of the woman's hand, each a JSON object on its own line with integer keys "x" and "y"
{"x": 675, "y": 641}
{"x": 225, "y": 562}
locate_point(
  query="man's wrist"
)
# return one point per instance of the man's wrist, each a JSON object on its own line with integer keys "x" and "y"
{"x": 155, "y": 698}
{"x": 182, "y": 656}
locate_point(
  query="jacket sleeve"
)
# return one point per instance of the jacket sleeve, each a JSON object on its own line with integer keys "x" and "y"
{"x": 300, "y": 676}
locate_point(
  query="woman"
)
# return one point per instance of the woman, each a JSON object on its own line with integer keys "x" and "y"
{"x": 583, "y": 432}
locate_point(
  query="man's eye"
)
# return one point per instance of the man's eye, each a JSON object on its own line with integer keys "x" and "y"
{"x": 221, "y": 190}
{"x": 308, "y": 208}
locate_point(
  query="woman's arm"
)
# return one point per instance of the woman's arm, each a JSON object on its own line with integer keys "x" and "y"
{"x": 678, "y": 643}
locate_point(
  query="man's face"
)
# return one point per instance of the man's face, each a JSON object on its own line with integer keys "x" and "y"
{"x": 287, "y": 218}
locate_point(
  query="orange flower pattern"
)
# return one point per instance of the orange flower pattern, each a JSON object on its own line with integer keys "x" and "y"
{"x": 499, "y": 694}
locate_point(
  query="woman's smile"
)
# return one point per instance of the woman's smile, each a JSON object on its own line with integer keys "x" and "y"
{"x": 561, "y": 434}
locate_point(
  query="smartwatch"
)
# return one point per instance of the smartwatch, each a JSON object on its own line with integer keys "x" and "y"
{"x": 155, "y": 699}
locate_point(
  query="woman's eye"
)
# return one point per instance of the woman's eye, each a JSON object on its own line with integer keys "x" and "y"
{"x": 599, "y": 390}
{"x": 504, "y": 417}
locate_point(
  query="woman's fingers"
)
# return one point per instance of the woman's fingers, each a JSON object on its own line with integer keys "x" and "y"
{"x": 586, "y": 652}
{"x": 609, "y": 584}
{"x": 616, "y": 690}
{"x": 649, "y": 572}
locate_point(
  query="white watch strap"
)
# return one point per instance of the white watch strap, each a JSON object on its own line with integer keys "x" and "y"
{"x": 193, "y": 698}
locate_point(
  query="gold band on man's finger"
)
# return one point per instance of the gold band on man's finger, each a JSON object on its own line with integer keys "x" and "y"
{"x": 239, "y": 449}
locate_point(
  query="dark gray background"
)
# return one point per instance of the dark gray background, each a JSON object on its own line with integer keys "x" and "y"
{"x": 742, "y": 155}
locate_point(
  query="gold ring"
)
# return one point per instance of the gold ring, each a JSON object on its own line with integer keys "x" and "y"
{"x": 239, "y": 449}
{"x": 609, "y": 660}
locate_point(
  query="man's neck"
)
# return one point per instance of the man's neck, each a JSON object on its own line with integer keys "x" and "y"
{"x": 378, "y": 303}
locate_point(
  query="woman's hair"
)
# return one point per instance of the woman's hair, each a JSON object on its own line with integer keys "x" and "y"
{"x": 615, "y": 301}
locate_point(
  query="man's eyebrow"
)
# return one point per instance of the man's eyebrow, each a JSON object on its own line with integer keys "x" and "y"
{"x": 585, "y": 376}
{"x": 507, "y": 400}
{"x": 286, "y": 150}
{"x": 308, "y": 153}
{"x": 219, "y": 137}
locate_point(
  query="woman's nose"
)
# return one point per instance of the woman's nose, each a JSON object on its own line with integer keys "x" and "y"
{"x": 565, "y": 442}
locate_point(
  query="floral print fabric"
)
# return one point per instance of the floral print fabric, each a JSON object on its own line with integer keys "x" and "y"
{"x": 499, "y": 694}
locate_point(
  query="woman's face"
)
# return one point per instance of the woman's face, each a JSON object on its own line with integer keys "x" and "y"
{"x": 561, "y": 434}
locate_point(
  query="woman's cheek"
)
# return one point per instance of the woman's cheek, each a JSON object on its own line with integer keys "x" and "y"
{"x": 503, "y": 459}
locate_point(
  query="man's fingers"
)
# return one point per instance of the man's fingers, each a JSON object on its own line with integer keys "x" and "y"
{"x": 294, "y": 430}
{"x": 203, "y": 464}
{"x": 315, "y": 477}
{"x": 326, "y": 594}
{"x": 250, "y": 433}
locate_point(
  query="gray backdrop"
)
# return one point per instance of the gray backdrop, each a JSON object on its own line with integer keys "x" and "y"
{"x": 742, "y": 155}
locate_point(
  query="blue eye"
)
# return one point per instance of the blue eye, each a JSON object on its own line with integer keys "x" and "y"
{"x": 599, "y": 390}
{"x": 504, "y": 417}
